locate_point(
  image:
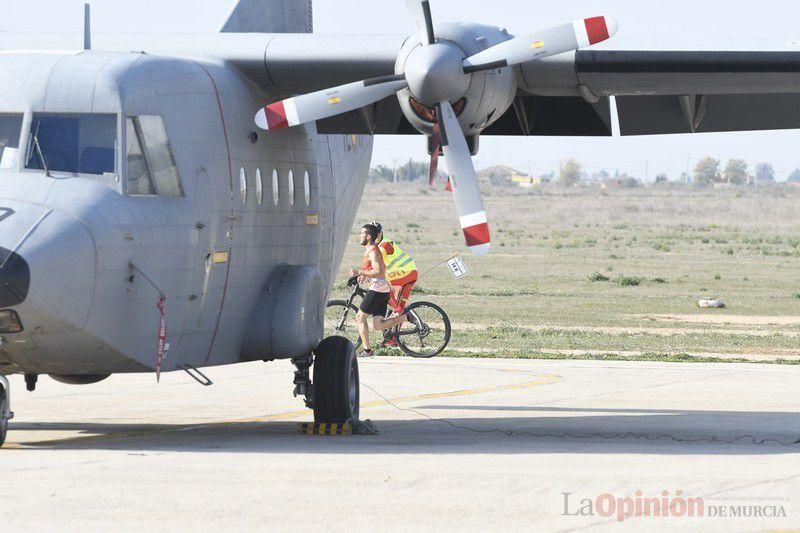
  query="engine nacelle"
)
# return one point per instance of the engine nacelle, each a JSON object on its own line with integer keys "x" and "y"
{"x": 490, "y": 93}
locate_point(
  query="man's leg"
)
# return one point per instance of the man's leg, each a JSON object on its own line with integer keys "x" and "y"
{"x": 362, "y": 319}
{"x": 380, "y": 323}
{"x": 405, "y": 294}
{"x": 394, "y": 300}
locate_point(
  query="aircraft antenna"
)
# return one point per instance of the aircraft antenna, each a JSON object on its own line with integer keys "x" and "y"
{"x": 87, "y": 27}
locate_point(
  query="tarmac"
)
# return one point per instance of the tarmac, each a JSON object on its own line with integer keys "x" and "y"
{"x": 464, "y": 444}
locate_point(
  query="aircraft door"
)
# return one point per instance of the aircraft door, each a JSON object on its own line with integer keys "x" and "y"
{"x": 210, "y": 239}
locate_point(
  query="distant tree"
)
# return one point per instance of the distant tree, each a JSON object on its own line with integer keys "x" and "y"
{"x": 570, "y": 173}
{"x": 381, "y": 173}
{"x": 662, "y": 178}
{"x": 794, "y": 177}
{"x": 412, "y": 171}
{"x": 736, "y": 172}
{"x": 765, "y": 173}
{"x": 707, "y": 171}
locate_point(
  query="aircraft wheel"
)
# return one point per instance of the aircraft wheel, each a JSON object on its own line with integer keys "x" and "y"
{"x": 336, "y": 384}
{"x": 3, "y": 419}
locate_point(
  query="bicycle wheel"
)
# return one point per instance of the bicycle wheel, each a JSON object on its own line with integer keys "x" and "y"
{"x": 430, "y": 337}
{"x": 340, "y": 320}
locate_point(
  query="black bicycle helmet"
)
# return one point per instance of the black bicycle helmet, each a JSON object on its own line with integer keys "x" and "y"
{"x": 374, "y": 229}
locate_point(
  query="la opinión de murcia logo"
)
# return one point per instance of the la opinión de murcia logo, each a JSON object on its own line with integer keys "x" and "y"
{"x": 665, "y": 505}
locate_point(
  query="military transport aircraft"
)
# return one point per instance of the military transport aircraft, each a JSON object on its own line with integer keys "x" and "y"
{"x": 138, "y": 192}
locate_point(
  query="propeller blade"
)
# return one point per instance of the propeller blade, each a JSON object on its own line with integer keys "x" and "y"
{"x": 464, "y": 181}
{"x": 564, "y": 38}
{"x": 433, "y": 170}
{"x": 420, "y": 11}
{"x": 328, "y": 102}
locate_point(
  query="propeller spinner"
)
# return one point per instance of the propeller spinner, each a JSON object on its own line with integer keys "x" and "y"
{"x": 436, "y": 74}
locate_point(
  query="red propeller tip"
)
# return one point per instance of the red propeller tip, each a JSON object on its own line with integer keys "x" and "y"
{"x": 594, "y": 30}
{"x": 476, "y": 233}
{"x": 278, "y": 115}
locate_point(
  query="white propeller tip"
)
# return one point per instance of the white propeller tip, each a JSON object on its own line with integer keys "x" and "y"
{"x": 612, "y": 25}
{"x": 481, "y": 249}
{"x": 261, "y": 119}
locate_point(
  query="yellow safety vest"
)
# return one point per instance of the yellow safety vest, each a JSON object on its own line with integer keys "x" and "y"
{"x": 398, "y": 264}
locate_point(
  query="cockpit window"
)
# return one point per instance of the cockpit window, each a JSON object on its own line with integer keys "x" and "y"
{"x": 139, "y": 182}
{"x": 10, "y": 128}
{"x": 73, "y": 143}
{"x": 151, "y": 163}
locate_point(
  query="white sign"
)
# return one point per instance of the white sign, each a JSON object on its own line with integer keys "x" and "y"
{"x": 457, "y": 267}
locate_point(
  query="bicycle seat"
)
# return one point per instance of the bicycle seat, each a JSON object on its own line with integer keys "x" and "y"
{"x": 352, "y": 282}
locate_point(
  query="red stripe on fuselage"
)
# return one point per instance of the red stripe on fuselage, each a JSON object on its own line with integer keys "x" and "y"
{"x": 597, "y": 30}
{"x": 276, "y": 116}
{"x": 477, "y": 235}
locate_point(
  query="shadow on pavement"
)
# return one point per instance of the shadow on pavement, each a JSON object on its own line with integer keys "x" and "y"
{"x": 571, "y": 430}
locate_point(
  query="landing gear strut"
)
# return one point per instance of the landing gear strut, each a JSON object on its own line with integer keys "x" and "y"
{"x": 5, "y": 408}
{"x": 302, "y": 379}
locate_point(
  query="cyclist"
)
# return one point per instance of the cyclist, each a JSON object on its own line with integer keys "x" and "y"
{"x": 402, "y": 275}
{"x": 376, "y": 302}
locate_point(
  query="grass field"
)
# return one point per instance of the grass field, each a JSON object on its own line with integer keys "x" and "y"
{"x": 616, "y": 274}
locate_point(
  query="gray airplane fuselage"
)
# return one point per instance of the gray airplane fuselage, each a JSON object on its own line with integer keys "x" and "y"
{"x": 98, "y": 256}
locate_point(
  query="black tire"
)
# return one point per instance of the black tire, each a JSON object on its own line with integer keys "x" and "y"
{"x": 336, "y": 383}
{"x": 335, "y": 326}
{"x": 3, "y": 421}
{"x": 437, "y": 333}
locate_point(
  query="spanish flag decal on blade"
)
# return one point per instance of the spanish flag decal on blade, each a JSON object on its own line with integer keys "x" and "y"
{"x": 335, "y": 100}
{"x": 537, "y": 45}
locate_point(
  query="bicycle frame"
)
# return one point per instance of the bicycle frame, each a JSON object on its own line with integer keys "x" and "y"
{"x": 359, "y": 291}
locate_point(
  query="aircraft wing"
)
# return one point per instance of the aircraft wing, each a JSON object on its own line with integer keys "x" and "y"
{"x": 656, "y": 92}
{"x": 660, "y": 92}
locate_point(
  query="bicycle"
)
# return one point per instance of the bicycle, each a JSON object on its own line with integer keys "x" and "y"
{"x": 425, "y": 335}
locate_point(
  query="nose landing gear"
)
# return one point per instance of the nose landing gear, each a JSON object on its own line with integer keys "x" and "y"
{"x": 5, "y": 408}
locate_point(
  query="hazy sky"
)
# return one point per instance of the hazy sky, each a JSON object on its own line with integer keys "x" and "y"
{"x": 678, "y": 24}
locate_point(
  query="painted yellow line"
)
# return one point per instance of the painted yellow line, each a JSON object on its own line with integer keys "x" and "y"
{"x": 542, "y": 380}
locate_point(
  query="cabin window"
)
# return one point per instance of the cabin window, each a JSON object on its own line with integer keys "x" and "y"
{"x": 290, "y": 183}
{"x": 73, "y": 143}
{"x": 151, "y": 157}
{"x": 259, "y": 187}
{"x": 10, "y": 130}
{"x": 276, "y": 193}
{"x": 243, "y": 185}
{"x": 307, "y": 188}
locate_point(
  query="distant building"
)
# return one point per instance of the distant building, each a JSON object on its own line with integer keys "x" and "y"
{"x": 621, "y": 182}
{"x": 503, "y": 175}
{"x": 527, "y": 182}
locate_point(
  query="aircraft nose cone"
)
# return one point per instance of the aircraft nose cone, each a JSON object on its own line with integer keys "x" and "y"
{"x": 15, "y": 278}
{"x": 47, "y": 266}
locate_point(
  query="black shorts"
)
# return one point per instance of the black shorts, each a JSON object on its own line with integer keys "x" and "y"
{"x": 375, "y": 303}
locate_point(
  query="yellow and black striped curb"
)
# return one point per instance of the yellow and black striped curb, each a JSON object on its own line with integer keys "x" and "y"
{"x": 325, "y": 429}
